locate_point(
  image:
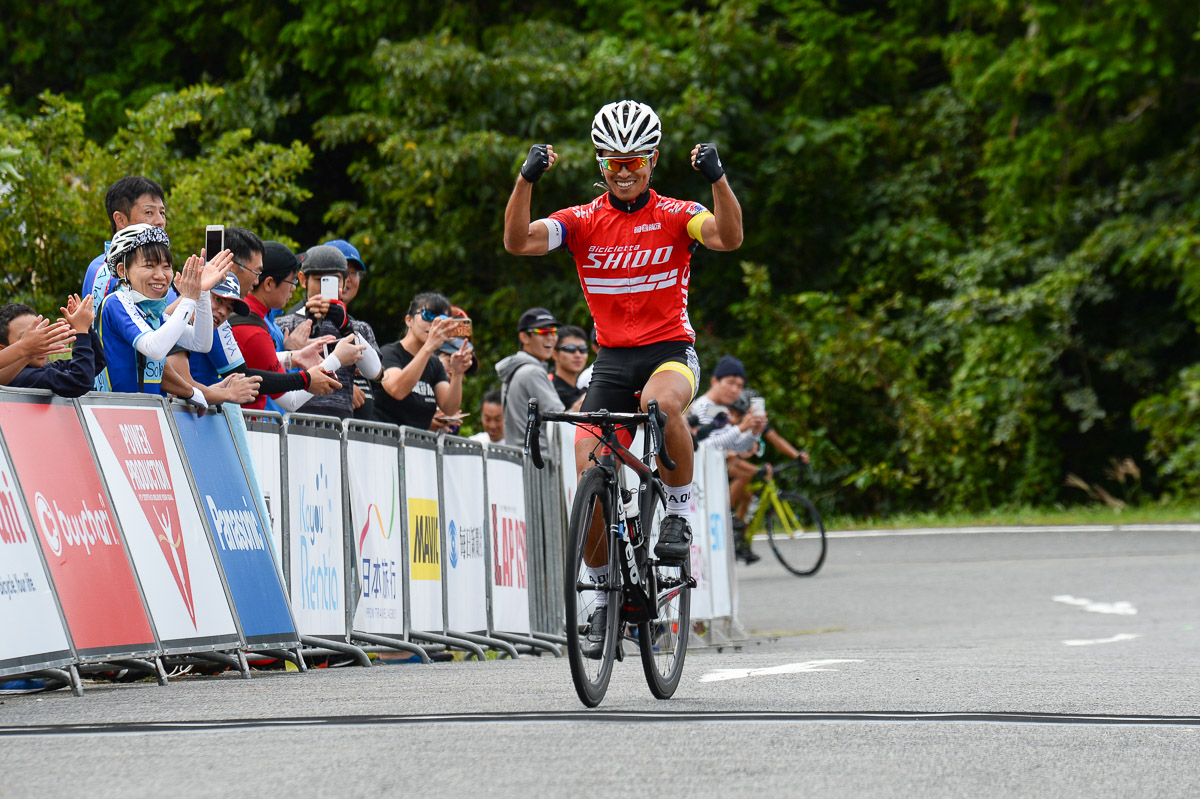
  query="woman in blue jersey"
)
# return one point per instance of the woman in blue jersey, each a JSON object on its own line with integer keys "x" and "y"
{"x": 136, "y": 331}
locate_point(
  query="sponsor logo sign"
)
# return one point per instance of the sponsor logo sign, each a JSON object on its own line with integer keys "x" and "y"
{"x": 465, "y": 511}
{"x": 510, "y": 583}
{"x": 317, "y": 538}
{"x": 424, "y": 539}
{"x": 424, "y": 535}
{"x": 372, "y": 474}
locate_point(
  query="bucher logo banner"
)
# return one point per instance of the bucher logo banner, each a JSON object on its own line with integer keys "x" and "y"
{"x": 135, "y": 437}
{"x": 424, "y": 540}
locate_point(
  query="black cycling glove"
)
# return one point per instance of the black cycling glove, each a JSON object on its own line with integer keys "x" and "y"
{"x": 537, "y": 162}
{"x": 709, "y": 163}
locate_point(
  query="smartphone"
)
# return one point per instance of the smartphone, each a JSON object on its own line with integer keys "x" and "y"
{"x": 462, "y": 329}
{"x": 329, "y": 287}
{"x": 758, "y": 405}
{"x": 214, "y": 241}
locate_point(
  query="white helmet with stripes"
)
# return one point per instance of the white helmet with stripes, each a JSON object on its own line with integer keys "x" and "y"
{"x": 626, "y": 126}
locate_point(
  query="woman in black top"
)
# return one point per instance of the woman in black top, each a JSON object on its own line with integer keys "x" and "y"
{"x": 415, "y": 384}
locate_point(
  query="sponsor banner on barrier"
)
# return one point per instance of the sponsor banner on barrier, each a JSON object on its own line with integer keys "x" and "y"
{"x": 264, "y": 451}
{"x": 80, "y": 540}
{"x": 424, "y": 538}
{"x": 510, "y": 573}
{"x": 565, "y": 436}
{"x": 716, "y": 508}
{"x": 317, "y": 539}
{"x": 377, "y": 524}
{"x": 162, "y": 525}
{"x": 702, "y": 594}
{"x": 31, "y": 631}
{"x": 237, "y": 530}
{"x": 466, "y": 575}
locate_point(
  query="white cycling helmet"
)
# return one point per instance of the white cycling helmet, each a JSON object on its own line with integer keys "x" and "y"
{"x": 626, "y": 126}
{"x": 129, "y": 238}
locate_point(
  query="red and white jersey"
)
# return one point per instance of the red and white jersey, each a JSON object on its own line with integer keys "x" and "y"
{"x": 634, "y": 267}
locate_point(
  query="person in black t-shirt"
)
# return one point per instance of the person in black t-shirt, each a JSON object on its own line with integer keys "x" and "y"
{"x": 415, "y": 384}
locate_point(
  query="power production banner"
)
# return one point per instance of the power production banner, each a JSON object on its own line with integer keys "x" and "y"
{"x": 163, "y": 527}
{"x": 466, "y": 575}
{"x": 83, "y": 547}
{"x": 424, "y": 534}
{"x": 237, "y": 530}
{"x": 31, "y": 631}
{"x": 510, "y": 573}
{"x": 377, "y": 526}
{"x": 316, "y": 534}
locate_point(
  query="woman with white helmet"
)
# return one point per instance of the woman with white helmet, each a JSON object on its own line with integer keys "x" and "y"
{"x": 632, "y": 248}
{"x": 136, "y": 331}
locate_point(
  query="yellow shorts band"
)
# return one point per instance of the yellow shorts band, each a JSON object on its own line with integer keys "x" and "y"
{"x": 676, "y": 366}
{"x": 695, "y": 223}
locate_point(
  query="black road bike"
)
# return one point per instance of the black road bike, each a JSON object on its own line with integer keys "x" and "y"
{"x": 617, "y": 525}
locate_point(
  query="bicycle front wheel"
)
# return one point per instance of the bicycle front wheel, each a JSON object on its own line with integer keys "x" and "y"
{"x": 797, "y": 535}
{"x": 663, "y": 640}
{"x": 591, "y": 591}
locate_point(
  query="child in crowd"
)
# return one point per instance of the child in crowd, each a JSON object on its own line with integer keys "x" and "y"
{"x": 67, "y": 378}
{"x": 136, "y": 332}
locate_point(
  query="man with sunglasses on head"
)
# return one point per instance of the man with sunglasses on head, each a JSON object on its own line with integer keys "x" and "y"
{"x": 632, "y": 248}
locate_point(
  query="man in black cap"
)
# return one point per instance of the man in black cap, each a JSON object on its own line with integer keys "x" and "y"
{"x": 523, "y": 375}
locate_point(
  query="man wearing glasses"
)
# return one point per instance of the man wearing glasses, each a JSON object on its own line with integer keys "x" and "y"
{"x": 632, "y": 248}
{"x": 523, "y": 376}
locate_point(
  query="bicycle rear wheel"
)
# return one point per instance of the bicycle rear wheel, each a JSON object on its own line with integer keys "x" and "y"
{"x": 663, "y": 640}
{"x": 798, "y": 536}
{"x": 585, "y": 596}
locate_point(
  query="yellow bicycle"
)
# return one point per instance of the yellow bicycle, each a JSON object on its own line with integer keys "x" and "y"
{"x": 791, "y": 523}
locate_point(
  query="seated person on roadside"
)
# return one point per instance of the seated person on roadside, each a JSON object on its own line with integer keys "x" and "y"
{"x": 136, "y": 331}
{"x": 415, "y": 383}
{"x": 523, "y": 375}
{"x": 363, "y": 395}
{"x": 329, "y": 317}
{"x": 129, "y": 201}
{"x": 66, "y": 378}
{"x": 570, "y": 357}
{"x": 491, "y": 416}
{"x": 290, "y": 390}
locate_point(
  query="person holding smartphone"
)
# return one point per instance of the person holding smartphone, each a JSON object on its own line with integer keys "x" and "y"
{"x": 322, "y": 273}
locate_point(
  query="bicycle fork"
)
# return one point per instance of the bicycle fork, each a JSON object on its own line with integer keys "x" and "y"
{"x": 636, "y": 605}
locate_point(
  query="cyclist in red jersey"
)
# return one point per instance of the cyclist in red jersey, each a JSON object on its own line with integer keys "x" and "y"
{"x": 633, "y": 247}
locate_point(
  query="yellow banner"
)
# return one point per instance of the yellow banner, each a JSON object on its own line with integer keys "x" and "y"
{"x": 424, "y": 540}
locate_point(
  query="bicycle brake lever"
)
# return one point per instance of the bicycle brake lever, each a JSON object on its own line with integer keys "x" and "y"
{"x": 657, "y": 425}
{"x": 533, "y": 443}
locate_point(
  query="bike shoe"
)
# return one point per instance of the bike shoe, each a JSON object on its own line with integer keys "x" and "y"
{"x": 593, "y": 643}
{"x": 674, "y": 545}
{"x": 746, "y": 554}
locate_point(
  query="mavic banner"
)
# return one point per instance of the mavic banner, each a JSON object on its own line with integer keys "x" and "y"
{"x": 716, "y": 507}
{"x": 466, "y": 577}
{"x": 263, "y": 438}
{"x": 316, "y": 535}
{"x": 424, "y": 534}
{"x": 506, "y": 523}
{"x": 162, "y": 525}
{"x": 237, "y": 530}
{"x": 83, "y": 547}
{"x": 377, "y": 525}
{"x": 31, "y": 631}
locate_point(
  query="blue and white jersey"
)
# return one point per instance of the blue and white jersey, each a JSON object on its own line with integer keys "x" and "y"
{"x": 212, "y": 366}
{"x": 122, "y": 323}
{"x": 99, "y": 281}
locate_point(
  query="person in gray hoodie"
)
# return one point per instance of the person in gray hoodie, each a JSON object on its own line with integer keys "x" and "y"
{"x": 523, "y": 376}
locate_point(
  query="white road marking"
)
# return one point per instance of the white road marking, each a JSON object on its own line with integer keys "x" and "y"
{"x": 984, "y": 530}
{"x": 1121, "y": 608}
{"x": 787, "y": 668}
{"x": 1090, "y": 641}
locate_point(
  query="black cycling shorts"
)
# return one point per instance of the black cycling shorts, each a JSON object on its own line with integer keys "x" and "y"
{"x": 620, "y": 373}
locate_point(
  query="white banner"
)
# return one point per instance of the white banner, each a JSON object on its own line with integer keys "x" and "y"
{"x": 716, "y": 506}
{"x": 466, "y": 575}
{"x": 316, "y": 556}
{"x": 702, "y": 600}
{"x": 31, "y": 631}
{"x": 162, "y": 524}
{"x": 566, "y": 453}
{"x": 424, "y": 539}
{"x": 264, "y": 452}
{"x": 510, "y": 564}
{"x": 377, "y": 525}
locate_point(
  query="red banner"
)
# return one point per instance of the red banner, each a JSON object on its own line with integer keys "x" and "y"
{"x": 83, "y": 548}
{"x": 136, "y": 439}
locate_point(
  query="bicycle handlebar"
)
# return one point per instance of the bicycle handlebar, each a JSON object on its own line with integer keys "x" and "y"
{"x": 654, "y": 419}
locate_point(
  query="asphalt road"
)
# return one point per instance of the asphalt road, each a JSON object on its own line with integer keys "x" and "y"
{"x": 1050, "y": 663}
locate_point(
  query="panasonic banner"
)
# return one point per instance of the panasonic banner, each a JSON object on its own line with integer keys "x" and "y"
{"x": 506, "y": 525}
{"x": 171, "y": 549}
{"x": 83, "y": 546}
{"x": 424, "y": 531}
{"x": 31, "y": 630}
{"x": 377, "y": 527}
{"x": 464, "y": 509}
{"x": 237, "y": 530}
{"x": 315, "y": 530}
